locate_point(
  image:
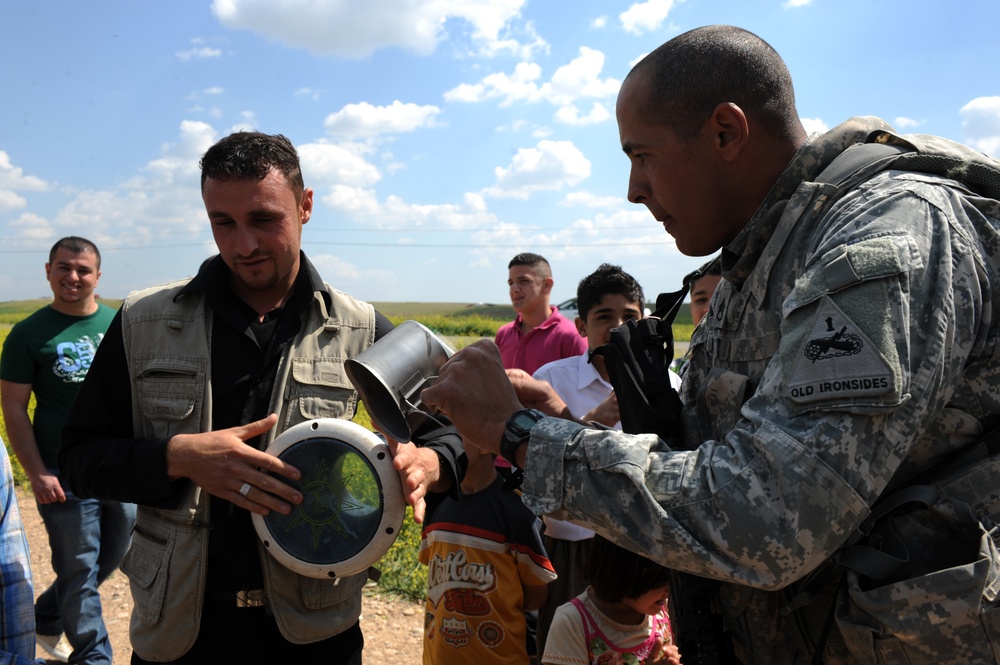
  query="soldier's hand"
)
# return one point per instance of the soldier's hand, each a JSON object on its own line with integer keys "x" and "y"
{"x": 474, "y": 393}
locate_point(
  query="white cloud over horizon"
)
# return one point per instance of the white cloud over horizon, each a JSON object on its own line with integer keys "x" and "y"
{"x": 550, "y": 165}
{"x": 338, "y": 27}
{"x": 364, "y": 121}
{"x": 981, "y": 124}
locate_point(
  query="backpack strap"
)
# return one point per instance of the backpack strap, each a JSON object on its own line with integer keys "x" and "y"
{"x": 861, "y": 159}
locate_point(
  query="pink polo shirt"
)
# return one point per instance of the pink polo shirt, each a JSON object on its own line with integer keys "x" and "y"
{"x": 556, "y": 338}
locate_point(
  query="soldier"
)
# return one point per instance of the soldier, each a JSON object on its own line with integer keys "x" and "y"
{"x": 850, "y": 347}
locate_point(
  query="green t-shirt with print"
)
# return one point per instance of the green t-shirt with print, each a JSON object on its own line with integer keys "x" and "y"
{"x": 52, "y": 352}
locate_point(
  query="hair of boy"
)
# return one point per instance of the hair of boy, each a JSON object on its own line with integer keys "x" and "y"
{"x": 251, "y": 156}
{"x": 536, "y": 261}
{"x": 607, "y": 279}
{"x": 616, "y": 573}
{"x": 75, "y": 245}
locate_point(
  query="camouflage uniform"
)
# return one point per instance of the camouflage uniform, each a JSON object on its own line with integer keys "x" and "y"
{"x": 843, "y": 352}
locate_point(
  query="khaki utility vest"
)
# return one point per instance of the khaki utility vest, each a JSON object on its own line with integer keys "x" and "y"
{"x": 168, "y": 350}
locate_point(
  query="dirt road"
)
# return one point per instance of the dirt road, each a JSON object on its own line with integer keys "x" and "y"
{"x": 392, "y": 627}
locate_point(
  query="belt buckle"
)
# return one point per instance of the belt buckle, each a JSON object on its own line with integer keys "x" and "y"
{"x": 251, "y": 598}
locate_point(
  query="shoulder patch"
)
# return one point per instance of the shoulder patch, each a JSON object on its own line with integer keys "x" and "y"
{"x": 837, "y": 361}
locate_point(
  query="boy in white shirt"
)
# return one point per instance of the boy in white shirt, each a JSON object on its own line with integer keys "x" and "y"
{"x": 606, "y": 299}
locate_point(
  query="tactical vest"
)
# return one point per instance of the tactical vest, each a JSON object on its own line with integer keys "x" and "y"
{"x": 168, "y": 350}
{"x": 877, "y": 624}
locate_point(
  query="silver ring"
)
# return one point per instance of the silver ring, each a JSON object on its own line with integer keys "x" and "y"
{"x": 246, "y": 489}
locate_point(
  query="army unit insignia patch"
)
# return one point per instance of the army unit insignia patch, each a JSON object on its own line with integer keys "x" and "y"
{"x": 837, "y": 361}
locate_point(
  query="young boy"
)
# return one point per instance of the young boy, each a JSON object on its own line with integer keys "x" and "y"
{"x": 606, "y": 299}
{"x": 486, "y": 567}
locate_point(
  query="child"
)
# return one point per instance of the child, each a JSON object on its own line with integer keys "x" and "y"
{"x": 606, "y": 298}
{"x": 486, "y": 566}
{"x": 620, "y": 618}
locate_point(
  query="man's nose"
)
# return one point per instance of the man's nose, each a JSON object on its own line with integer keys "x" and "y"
{"x": 246, "y": 241}
{"x": 638, "y": 187}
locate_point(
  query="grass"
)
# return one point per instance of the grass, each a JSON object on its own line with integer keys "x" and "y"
{"x": 402, "y": 574}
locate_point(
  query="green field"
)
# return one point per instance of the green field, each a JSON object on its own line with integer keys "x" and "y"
{"x": 401, "y": 572}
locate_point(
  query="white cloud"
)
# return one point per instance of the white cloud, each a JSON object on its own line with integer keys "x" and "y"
{"x": 519, "y": 86}
{"x": 981, "y": 124}
{"x": 590, "y": 200}
{"x": 30, "y": 226}
{"x": 335, "y": 269}
{"x": 11, "y": 200}
{"x": 599, "y": 22}
{"x": 581, "y": 78}
{"x": 646, "y": 16}
{"x": 792, "y": 4}
{"x": 902, "y": 122}
{"x": 198, "y": 53}
{"x": 395, "y": 213}
{"x": 814, "y": 126}
{"x": 353, "y": 29}
{"x": 570, "y": 115}
{"x": 578, "y": 79}
{"x": 324, "y": 163}
{"x": 13, "y": 180}
{"x": 162, "y": 201}
{"x": 214, "y": 90}
{"x": 309, "y": 92}
{"x": 363, "y": 121}
{"x": 550, "y": 165}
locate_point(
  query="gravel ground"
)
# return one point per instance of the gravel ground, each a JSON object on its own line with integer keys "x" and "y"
{"x": 392, "y": 626}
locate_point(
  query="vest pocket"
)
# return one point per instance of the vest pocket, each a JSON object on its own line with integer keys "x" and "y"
{"x": 167, "y": 390}
{"x": 146, "y": 564}
{"x": 321, "y": 389}
{"x": 320, "y": 594}
{"x": 947, "y": 615}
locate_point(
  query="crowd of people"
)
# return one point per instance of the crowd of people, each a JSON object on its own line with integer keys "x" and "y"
{"x": 829, "y": 486}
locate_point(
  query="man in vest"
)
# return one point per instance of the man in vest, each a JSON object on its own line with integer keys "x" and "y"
{"x": 197, "y": 377}
{"x": 850, "y": 347}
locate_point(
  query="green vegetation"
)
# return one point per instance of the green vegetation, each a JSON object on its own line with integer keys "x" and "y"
{"x": 401, "y": 571}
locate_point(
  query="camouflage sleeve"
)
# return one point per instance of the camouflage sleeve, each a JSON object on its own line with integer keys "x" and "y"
{"x": 876, "y": 373}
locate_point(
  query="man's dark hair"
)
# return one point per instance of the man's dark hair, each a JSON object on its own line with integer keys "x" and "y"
{"x": 696, "y": 71}
{"x": 76, "y": 245}
{"x": 605, "y": 280}
{"x": 251, "y": 156}
{"x": 617, "y": 573}
{"x": 531, "y": 260}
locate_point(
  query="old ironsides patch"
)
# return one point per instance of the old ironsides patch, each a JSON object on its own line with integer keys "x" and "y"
{"x": 837, "y": 361}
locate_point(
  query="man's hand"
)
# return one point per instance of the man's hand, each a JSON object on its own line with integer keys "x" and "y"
{"x": 221, "y": 463}
{"x": 537, "y": 394}
{"x": 606, "y": 412}
{"x": 47, "y": 489}
{"x": 474, "y": 393}
{"x": 419, "y": 472}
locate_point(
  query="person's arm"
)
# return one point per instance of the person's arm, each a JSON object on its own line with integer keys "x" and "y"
{"x": 434, "y": 462}
{"x": 783, "y": 487}
{"x": 605, "y": 413}
{"x": 100, "y": 456}
{"x": 14, "y": 398}
{"x": 534, "y": 596}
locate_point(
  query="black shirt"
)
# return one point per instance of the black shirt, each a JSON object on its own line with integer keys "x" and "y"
{"x": 99, "y": 456}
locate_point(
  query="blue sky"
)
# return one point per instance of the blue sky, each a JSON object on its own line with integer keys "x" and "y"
{"x": 441, "y": 138}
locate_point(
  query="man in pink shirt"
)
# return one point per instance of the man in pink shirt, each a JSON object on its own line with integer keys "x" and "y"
{"x": 539, "y": 334}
